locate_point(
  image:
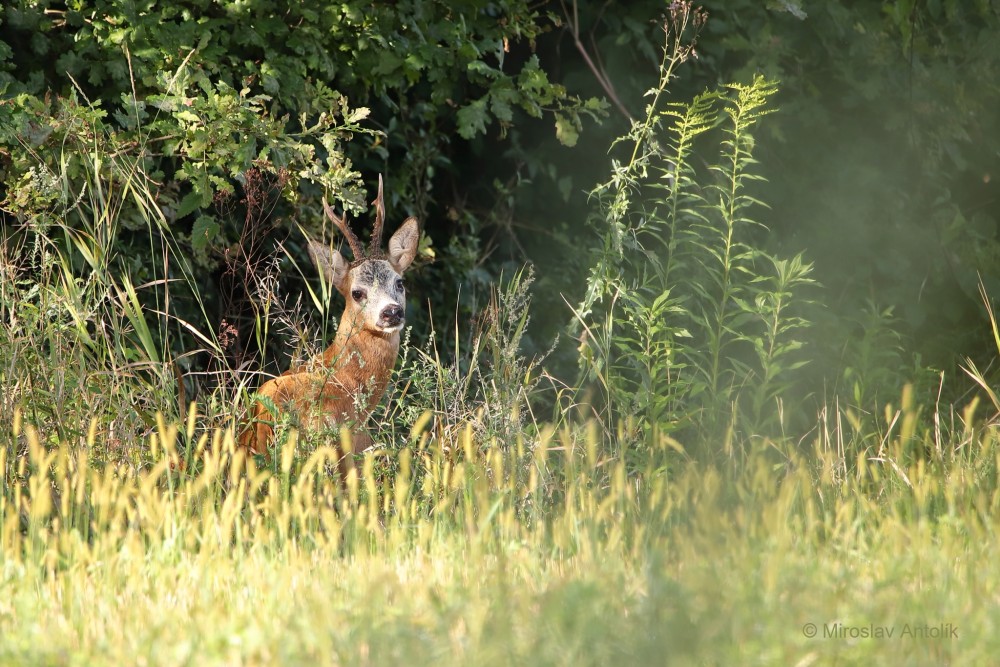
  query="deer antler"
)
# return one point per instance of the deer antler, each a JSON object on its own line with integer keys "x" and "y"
{"x": 352, "y": 240}
{"x": 375, "y": 245}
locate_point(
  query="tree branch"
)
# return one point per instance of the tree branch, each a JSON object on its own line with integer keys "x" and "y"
{"x": 598, "y": 72}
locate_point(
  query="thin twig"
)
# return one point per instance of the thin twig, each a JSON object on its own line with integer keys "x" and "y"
{"x": 598, "y": 72}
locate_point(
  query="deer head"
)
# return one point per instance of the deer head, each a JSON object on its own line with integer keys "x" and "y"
{"x": 372, "y": 284}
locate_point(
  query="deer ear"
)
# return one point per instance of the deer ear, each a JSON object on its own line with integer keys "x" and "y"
{"x": 333, "y": 265}
{"x": 403, "y": 245}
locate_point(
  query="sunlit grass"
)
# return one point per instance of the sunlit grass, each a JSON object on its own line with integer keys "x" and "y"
{"x": 456, "y": 559}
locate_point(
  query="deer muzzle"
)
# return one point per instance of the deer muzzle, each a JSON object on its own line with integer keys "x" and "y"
{"x": 391, "y": 317}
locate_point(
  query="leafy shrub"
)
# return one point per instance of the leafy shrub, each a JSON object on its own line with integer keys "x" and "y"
{"x": 308, "y": 97}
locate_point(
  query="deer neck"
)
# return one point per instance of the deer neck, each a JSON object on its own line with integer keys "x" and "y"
{"x": 363, "y": 357}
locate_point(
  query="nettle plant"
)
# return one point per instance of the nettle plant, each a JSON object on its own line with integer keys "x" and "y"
{"x": 687, "y": 324}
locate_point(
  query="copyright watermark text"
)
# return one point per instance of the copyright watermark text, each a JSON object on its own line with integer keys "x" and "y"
{"x": 872, "y": 631}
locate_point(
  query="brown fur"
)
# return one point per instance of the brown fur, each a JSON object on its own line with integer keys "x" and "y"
{"x": 322, "y": 393}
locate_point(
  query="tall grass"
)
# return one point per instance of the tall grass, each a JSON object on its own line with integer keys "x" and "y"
{"x": 471, "y": 536}
{"x": 446, "y": 561}
{"x": 76, "y": 344}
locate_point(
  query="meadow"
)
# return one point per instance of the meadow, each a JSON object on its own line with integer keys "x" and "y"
{"x": 774, "y": 557}
{"x": 475, "y": 532}
{"x": 698, "y": 494}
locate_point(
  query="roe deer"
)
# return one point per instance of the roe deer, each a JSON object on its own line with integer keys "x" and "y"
{"x": 341, "y": 387}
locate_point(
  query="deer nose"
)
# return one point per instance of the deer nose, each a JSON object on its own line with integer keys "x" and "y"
{"x": 392, "y": 314}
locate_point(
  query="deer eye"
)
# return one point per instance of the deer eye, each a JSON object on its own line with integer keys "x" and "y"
{"x": 358, "y": 294}
{"x": 399, "y": 284}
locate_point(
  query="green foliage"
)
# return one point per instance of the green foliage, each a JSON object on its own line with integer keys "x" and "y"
{"x": 688, "y": 322}
{"x": 79, "y": 345}
{"x": 884, "y": 137}
{"x": 202, "y": 94}
{"x": 226, "y": 95}
{"x": 485, "y": 392}
{"x": 100, "y": 371}
{"x": 476, "y": 532}
{"x": 216, "y": 137}
{"x": 881, "y": 163}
